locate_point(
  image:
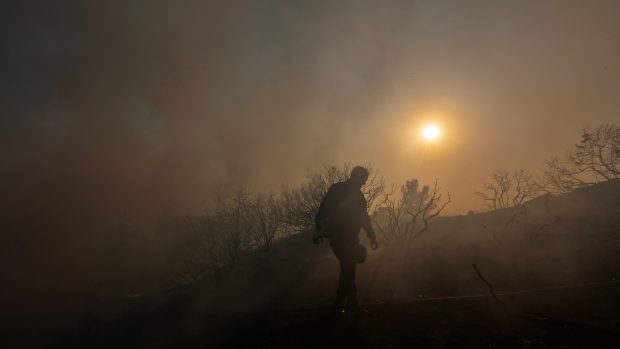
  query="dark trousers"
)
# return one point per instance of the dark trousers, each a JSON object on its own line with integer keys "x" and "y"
{"x": 346, "y": 247}
{"x": 347, "y": 292}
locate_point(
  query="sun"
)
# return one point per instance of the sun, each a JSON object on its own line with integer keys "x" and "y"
{"x": 430, "y": 132}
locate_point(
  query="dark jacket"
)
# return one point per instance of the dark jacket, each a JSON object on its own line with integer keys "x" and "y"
{"x": 343, "y": 211}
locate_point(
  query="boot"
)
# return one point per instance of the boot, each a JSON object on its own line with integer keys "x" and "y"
{"x": 355, "y": 309}
{"x": 339, "y": 305}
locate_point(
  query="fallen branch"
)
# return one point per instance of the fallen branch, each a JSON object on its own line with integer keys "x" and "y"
{"x": 491, "y": 289}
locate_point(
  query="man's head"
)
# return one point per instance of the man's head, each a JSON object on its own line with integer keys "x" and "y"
{"x": 359, "y": 176}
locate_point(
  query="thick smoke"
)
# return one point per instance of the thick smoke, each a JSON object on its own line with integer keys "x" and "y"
{"x": 115, "y": 116}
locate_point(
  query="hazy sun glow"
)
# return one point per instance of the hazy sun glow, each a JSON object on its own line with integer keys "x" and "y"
{"x": 430, "y": 132}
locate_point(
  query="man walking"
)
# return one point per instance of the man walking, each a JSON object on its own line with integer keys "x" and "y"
{"x": 342, "y": 213}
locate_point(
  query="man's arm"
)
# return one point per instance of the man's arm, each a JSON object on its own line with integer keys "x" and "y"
{"x": 367, "y": 225}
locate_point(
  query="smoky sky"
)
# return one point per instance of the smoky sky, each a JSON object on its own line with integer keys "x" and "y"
{"x": 149, "y": 107}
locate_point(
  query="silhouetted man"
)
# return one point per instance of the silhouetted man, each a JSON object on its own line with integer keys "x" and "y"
{"x": 342, "y": 213}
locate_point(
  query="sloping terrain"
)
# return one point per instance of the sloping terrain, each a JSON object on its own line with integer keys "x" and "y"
{"x": 553, "y": 262}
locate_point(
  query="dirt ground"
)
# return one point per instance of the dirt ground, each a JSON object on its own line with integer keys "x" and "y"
{"x": 587, "y": 317}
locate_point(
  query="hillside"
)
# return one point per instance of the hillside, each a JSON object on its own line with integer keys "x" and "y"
{"x": 553, "y": 261}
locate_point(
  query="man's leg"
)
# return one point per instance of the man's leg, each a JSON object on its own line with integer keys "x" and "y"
{"x": 341, "y": 298}
{"x": 347, "y": 289}
{"x": 352, "y": 293}
{"x": 346, "y": 284}
{"x": 351, "y": 288}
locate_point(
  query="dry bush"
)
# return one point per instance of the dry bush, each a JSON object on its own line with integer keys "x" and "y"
{"x": 596, "y": 158}
{"x": 243, "y": 221}
{"x": 266, "y": 220}
{"x": 506, "y": 189}
{"x": 240, "y": 221}
{"x": 397, "y": 216}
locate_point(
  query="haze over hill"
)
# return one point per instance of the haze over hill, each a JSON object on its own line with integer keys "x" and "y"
{"x": 550, "y": 252}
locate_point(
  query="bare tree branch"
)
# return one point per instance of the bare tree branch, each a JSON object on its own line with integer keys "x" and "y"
{"x": 595, "y": 158}
{"x": 506, "y": 189}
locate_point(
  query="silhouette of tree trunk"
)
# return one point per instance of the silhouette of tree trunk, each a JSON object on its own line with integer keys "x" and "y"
{"x": 216, "y": 239}
{"x": 266, "y": 219}
{"x": 234, "y": 222}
